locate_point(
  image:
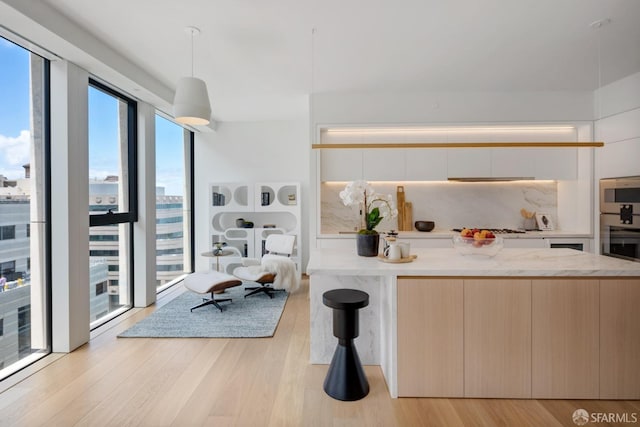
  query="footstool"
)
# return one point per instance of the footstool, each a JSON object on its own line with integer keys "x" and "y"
{"x": 209, "y": 282}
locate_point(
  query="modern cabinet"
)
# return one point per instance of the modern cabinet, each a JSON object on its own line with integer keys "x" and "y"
{"x": 619, "y": 339}
{"x": 341, "y": 164}
{"x": 430, "y": 337}
{"x": 565, "y": 338}
{"x": 509, "y": 337}
{"x": 497, "y": 338}
{"x": 272, "y": 207}
{"x": 468, "y": 162}
{"x": 439, "y": 164}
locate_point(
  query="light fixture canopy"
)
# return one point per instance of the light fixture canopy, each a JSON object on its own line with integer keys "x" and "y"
{"x": 191, "y": 101}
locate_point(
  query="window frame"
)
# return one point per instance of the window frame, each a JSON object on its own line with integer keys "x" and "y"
{"x": 131, "y": 216}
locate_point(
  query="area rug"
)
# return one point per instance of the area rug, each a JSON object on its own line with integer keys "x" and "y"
{"x": 253, "y": 317}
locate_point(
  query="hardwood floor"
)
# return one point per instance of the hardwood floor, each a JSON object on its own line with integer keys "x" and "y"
{"x": 247, "y": 382}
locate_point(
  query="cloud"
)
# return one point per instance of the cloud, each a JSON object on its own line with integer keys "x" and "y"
{"x": 14, "y": 153}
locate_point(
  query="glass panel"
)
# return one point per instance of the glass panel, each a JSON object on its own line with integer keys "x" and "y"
{"x": 110, "y": 244}
{"x": 23, "y": 289}
{"x": 109, "y": 272}
{"x": 108, "y": 149}
{"x": 172, "y": 213}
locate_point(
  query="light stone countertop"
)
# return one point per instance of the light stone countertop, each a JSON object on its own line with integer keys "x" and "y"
{"x": 447, "y": 234}
{"x": 515, "y": 262}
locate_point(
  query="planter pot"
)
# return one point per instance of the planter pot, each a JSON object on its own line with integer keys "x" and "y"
{"x": 368, "y": 244}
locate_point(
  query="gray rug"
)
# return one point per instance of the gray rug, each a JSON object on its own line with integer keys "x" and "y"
{"x": 253, "y": 317}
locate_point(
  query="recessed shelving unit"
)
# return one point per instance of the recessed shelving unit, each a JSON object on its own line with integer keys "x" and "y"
{"x": 272, "y": 208}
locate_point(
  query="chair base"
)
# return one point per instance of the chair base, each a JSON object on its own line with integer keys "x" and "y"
{"x": 345, "y": 378}
{"x": 211, "y": 301}
{"x": 265, "y": 289}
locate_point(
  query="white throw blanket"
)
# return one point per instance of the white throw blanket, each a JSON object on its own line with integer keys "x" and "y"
{"x": 284, "y": 268}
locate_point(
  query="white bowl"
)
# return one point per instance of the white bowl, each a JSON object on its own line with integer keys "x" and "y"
{"x": 471, "y": 246}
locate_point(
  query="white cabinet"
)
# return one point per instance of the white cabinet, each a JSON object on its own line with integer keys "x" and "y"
{"x": 557, "y": 163}
{"x": 468, "y": 162}
{"x": 272, "y": 207}
{"x": 341, "y": 164}
{"x": 383, "y": 164}
{"x": 538, "y": 163}
{"x": 438, "y": 164}
{"x": 425, "y": 164}
{"x": 513, "y": 162}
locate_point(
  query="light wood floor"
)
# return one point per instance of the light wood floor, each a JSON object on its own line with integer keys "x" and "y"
{"x": 245, "y": 382}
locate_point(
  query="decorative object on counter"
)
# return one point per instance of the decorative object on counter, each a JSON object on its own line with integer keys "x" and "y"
{"x": 393, "y": 251}
{"x": 477, "y": 242}
{"x": 405, "y": 210}
{"x": 544, "y": 221}
{"x": 374, "y": 207}
{"x": 388, "y": 239}
{"x": 410, "y": 258}
{"x": 424, "y": 225}
{"x": 240, "y": 222}
{"x": 529, "y": 219}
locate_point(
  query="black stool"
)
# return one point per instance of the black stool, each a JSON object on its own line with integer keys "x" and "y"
{"x": 345, "y": 379}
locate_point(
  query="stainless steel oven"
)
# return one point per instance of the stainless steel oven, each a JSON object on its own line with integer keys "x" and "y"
{"x": 620, "y": 217}
{"x": 617, "y": 194}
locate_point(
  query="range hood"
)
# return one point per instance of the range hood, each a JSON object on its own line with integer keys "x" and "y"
{"x": 491, "y": 178}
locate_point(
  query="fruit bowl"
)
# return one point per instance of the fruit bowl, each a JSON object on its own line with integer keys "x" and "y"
{"x": 488, "y": 246}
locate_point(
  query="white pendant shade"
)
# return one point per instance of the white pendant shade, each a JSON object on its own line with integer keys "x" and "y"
{"x": 191, "y": 102}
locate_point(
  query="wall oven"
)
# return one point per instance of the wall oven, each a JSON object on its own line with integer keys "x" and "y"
{"x": 620, "y": 217}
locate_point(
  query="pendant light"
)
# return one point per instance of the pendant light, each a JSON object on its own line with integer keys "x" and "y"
{"x": 191, "y": 102}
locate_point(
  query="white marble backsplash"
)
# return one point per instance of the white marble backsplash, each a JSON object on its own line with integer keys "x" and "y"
{"x": 449, "y": 204}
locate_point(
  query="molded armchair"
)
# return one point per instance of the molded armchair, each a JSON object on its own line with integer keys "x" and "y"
{"x": 275, "y": 271}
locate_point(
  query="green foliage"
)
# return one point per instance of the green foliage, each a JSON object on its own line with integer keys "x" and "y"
{"x": 373, "y": 218}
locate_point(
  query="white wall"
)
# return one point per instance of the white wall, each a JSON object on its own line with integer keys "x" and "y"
{"x": 451, "y": 107}
{"x": 274, "y": 151}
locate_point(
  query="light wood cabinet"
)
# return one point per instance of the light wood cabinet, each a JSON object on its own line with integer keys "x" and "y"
{"x": 430, "y": 337}
{"x": 497, "y": 338}
{"x": 556, "y": 338}
{"x": 620, "y": 339}
{"x": 565, "y": 338}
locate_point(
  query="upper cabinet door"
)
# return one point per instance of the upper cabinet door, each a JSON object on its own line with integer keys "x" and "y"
{"x": 556, "y": 163}
{"x": 468, "y": 162}
{"x": 513, "y": 162}
{"x": 383, "y": 164}
{"x": 341, "y": 164}
{"x": 425, "y": 164}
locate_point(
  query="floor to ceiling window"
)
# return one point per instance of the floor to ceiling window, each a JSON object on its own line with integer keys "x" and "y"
{"x": 112, "y": 201}
{"x": 173, "y": 202}
{"x": 24, "y": 216}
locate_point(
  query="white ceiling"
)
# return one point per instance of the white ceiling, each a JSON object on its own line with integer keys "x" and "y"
{"x": 256, "y": 55}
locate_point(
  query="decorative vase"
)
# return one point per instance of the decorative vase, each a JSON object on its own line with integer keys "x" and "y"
{"x": 368, "y": 244}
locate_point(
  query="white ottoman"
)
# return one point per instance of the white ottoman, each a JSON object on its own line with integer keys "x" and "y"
{"x": 210, "y": 282}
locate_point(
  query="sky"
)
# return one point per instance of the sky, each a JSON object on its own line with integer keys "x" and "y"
{"x": 103, "y": 130}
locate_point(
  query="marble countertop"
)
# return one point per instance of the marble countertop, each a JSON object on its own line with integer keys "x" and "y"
{"x": 448, "y": 262}
{"x": 447, "y": 234}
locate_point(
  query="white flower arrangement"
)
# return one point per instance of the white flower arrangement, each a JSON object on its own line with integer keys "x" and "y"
{"x": 376, "y": 206}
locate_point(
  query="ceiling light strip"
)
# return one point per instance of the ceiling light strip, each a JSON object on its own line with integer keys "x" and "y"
{"x": 462, "y": 145}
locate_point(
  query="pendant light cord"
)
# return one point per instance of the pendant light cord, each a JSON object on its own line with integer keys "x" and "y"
{"x": 192, "y": 52}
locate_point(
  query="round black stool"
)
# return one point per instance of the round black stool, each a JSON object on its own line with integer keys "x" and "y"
{"x": 345, "y": 379}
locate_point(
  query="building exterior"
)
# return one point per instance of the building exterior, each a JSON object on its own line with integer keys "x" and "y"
{"x": 105, "y": 249}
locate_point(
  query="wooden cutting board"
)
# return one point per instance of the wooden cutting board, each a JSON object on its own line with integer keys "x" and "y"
{"x": 407, "y": 220}
{"x": 400, "y": 202}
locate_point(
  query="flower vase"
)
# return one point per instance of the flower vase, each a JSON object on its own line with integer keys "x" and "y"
{"x": 368, "y": 244}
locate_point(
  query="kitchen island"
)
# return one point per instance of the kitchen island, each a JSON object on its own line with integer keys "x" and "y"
{"x": 527, "y": 323}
